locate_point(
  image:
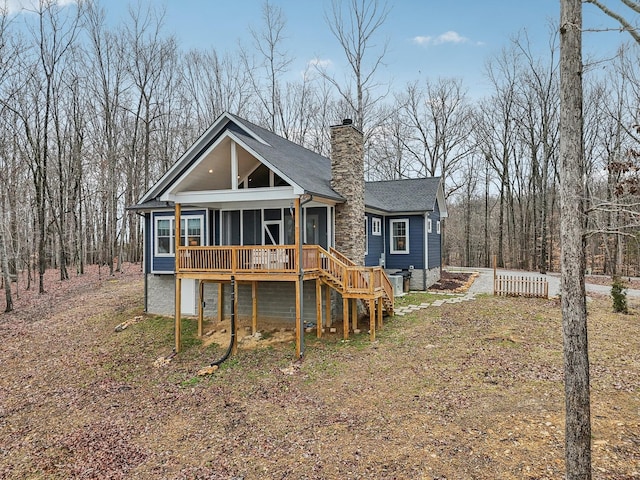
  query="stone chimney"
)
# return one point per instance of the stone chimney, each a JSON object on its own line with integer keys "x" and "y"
{"x": 347, "y": 179}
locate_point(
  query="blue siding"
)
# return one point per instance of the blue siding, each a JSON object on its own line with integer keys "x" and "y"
{"x": 376, "y": 243}
{"x": 168, "y": 263}
{"x": 435, "y": 239}
{"x": 415, "y": 256}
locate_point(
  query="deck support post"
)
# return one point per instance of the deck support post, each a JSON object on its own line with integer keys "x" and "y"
{"x": 345, "y": 318}
{"x": 372, "y": 319}
{"x": 379, "y": 312}
{"x": 220, "y": 302}
{"x": 354, "y": 314}
{"x": 327, "y": 306}
{"x": 318, "y": 307}
{"x": 178, "y": 278}
{"x": 234, "y": 349}
{"x": 254, "y": 307}
{"x": 200, "y": 307}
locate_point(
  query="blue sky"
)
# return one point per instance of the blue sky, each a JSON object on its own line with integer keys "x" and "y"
{"x": 427, "y": 38}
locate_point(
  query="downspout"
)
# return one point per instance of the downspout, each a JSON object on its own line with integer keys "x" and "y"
{"x": 301, "y": 273}
{"x": 232, "y": 328}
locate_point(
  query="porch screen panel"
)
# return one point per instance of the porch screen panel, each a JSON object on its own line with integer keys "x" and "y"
{"x": 231, "y": 227}
{"x": 289, "y": 228}
{"x": 316, "y": 222}
{"x": 251, "y": 227}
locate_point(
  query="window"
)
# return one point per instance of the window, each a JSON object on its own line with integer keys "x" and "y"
{"x": 429, "y": 229}
{"x": 399, "y": 236}
{"x": 438, "y": 227}
{"x": 165, "y": 233}
{"x": 164, "y": 236}
{"x": 376, "y": 226}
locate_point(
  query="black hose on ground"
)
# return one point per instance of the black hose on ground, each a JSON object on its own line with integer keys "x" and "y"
{"x": 233, "y": 324}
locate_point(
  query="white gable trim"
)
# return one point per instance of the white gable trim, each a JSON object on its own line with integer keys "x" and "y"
{"x": 171, "y": 193}
{"x": 242, "y": 195}
{"x": 441, "y": 203}
{"x": 167, "y": 179}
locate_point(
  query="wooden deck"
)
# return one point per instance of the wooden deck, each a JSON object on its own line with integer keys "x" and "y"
{"x": 280, "y": 263}
{"x": 268, "y": 263}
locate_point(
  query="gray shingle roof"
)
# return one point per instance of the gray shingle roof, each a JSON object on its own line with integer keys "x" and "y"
{"x": 307, "y": 169}
{"x": 407, "y": 195}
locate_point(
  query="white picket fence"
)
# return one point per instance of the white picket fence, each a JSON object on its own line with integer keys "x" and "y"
{"x": 520, "y": 286}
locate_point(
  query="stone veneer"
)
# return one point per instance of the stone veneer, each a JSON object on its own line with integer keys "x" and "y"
{"x": 347, "y": 179}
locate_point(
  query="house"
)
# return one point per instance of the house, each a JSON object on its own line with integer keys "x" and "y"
{"x": 289, "y": 225}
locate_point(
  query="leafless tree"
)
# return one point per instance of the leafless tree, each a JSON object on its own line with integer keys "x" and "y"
{"x": 497, "y": 138}
{"x": 274, "y": 60}
{"x": 355, "y": 24}
{"x": 625, "y": 25}
{"x": 572, "y": 222}
{"x": 439, "y": 126}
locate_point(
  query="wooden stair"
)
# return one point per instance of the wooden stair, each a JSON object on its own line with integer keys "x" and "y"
{"x": 332, "y": 274}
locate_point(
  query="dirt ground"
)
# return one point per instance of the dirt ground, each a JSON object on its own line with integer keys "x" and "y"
{"x": 464, "y": 391}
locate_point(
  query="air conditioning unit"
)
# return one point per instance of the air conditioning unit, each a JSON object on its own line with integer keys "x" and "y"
{"x": 396, "y": 283}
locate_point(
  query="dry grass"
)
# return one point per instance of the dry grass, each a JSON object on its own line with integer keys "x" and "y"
{"x": 466, "y": 391}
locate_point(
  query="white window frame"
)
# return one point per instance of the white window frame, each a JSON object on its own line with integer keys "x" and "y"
{"x": 429, "y": 227}
{"x": 376, "y": 226}
{"x": 438, "y": 227}
{"x": 391, "y": 242}
{"x": 172, "y": 232}
{"x": 366, "y": 235}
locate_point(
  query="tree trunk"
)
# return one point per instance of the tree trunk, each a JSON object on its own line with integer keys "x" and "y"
{"x": 574, "y": 308}
{"x": 5, "y": 275}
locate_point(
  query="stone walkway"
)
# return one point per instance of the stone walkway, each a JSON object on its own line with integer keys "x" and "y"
{"x": 458, "y": 298}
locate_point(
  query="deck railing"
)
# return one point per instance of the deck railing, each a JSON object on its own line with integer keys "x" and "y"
{"x": 237, "y": 259}
{"x": 282, "y": 259}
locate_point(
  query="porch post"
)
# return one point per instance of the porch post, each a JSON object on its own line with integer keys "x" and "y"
{"x": 178, "y": 299}
{"x": 299, "y": 281}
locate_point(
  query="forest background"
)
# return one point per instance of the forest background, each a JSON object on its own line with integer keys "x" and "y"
{"x": 94, "y": 113}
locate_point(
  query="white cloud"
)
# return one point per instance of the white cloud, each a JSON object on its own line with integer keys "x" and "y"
{"x": 17, "y": 6}
{"x": 422, "y": 40}
{"x": 446, "y": 37}
{"x": 315, "y": 65}
{"x": 320, "y": 63}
